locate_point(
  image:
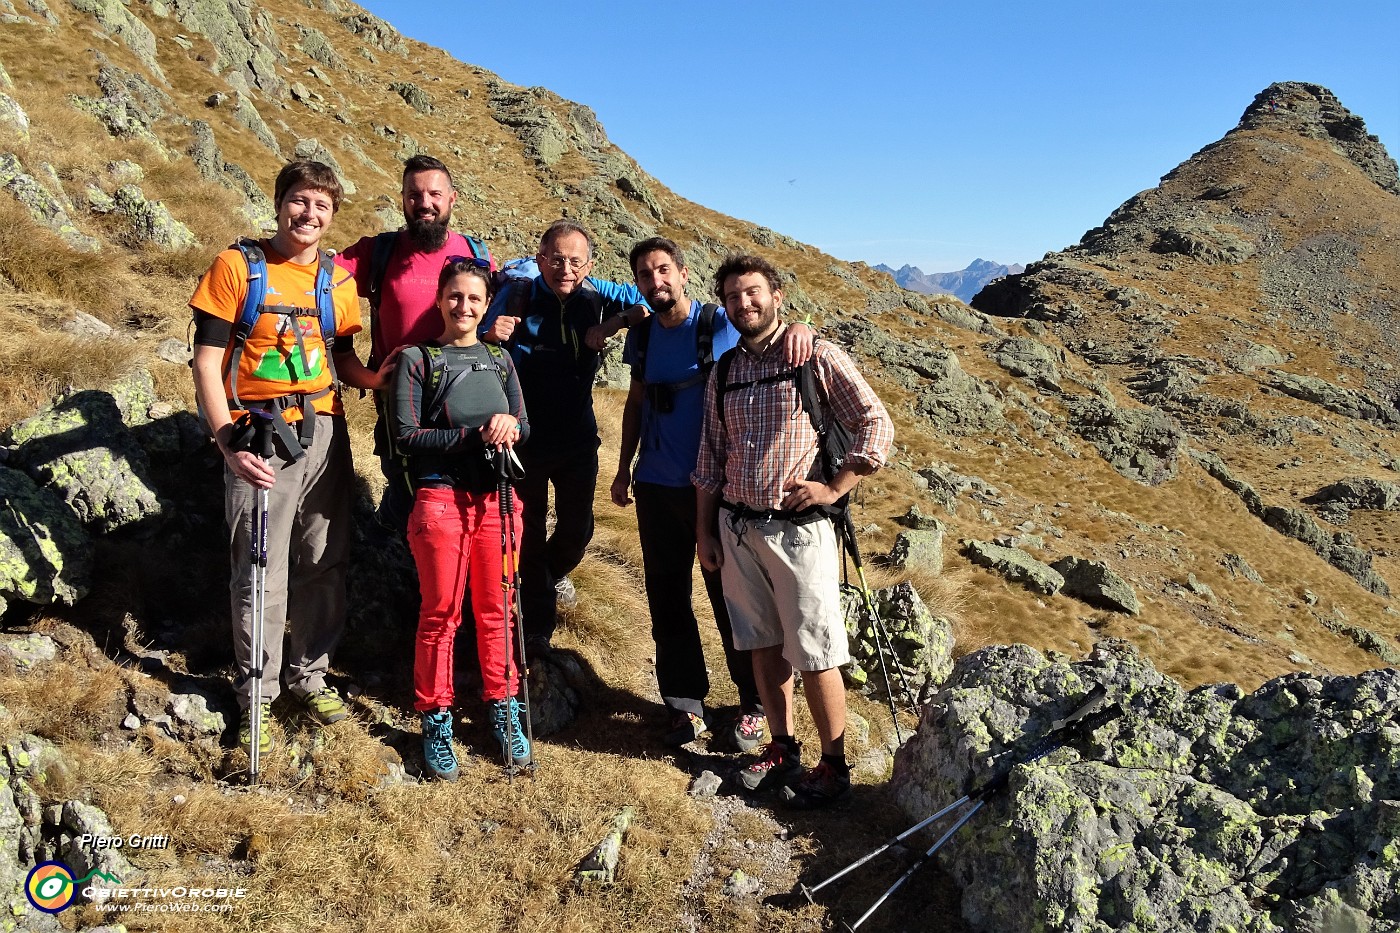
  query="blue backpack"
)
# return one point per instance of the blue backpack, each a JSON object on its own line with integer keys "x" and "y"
{"x": 254, "y": 307}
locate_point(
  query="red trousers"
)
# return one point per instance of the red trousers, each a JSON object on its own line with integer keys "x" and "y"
{"x": 455, "y": 537}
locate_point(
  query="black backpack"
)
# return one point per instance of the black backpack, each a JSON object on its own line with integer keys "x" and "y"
{"x": 834, "y": 439}
{"x": 662, "y": 394}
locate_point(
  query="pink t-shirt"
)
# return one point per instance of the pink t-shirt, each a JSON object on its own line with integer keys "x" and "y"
{"x": 408, "y": 308}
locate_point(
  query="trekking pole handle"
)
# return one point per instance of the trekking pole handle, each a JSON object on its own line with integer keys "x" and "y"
{"x": 262, "y": 434}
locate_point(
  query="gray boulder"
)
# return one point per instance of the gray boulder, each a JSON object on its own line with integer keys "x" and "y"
{"x": 1216, "y": 467}
{"x": 1202, "y": 811}
{"x": 243, "y": 36}
{"x": 151, "y": 221}
{"x": 45, "y": 556}
{"x": 1028, "y": 358}
{"x": 1336, "y": 500}
{"x": 123, "y": 25}
{"x": 81, "y": 448}
{"x": 956, "y": 402}
{"x": 319, "y": 49}
{"x": 414, "y": 96}
{"x": 42, "y": 205}
{"x": 192, "y": 712}
{"x": 35, "y": 11}
{"x": 13, "y": 117}
{"x": 1255, "y": 356}
{"x": 526, "y": 112}
{"x": 375, "y": 31}
{"x": 1141, "y": 444}
{"x": 28, "y": 650}
{"x": 919, "y": 548}
{"x": 1015, "y": 565}
{"x": 921, "y": 644}
{"x": 209, "y": 159}
{"x": 1203, "y": 242}
{"x": 84, "y": 819}
{"x": 1343, "y": 401}
{"x": 1097, "y": 585}
{"x": 247, "y": 116}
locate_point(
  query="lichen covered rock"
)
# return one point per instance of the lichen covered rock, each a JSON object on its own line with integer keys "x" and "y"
{"x": 1194, "y": 811}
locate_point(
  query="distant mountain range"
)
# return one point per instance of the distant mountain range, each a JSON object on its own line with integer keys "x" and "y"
{"x": 962, "y": 285}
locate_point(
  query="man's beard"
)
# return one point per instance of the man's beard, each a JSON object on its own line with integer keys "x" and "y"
{"x": 427, "y": 236}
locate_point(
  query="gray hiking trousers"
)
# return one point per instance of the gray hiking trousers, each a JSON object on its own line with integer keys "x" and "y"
{"x": 308, "y": 544}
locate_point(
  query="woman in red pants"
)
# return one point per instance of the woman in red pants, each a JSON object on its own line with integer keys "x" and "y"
{"x": 456, "y": 402}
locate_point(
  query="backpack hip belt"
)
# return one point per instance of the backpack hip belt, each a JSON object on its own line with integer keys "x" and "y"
{"x": 296, "y": 442}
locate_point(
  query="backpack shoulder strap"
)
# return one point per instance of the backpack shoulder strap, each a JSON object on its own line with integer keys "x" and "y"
{"x": 379, "y": 265}
{"x": 640, "y": 341}
{"x": 434, "y": 398}
{"x": 518, "y": 298}
{"x": 256, "y": 260}
{"x": 479, "y": 250}
{"x": 705, "y": 337}
{"x": 325, "y": 297}
{"x": 726, "y": 360}
{"x": 378, "y": 268}
{"x": 499, "y": 355}
{"x": 813, "y": 396}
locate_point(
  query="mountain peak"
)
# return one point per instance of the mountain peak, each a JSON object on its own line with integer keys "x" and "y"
{"x": 1313, "y": 111}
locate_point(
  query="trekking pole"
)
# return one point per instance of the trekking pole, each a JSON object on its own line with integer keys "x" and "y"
{"x": 508, "y": 469}
{"x": 883, "y": 644}
{"x": 1090, "y": 715}
{"x": 262, "y": 445}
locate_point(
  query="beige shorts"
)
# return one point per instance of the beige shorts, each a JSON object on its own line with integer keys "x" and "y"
{"x": 782, "y": 588}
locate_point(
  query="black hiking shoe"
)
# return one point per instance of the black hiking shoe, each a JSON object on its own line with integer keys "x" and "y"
{"x": 818, "y": 787}
{"x": 685, "y": 728}
{"x": 775, "y": 767}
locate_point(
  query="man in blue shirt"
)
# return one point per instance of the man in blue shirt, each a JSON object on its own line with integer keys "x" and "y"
{"x": 555, "y": 325}
{"x": 670, "y": 355}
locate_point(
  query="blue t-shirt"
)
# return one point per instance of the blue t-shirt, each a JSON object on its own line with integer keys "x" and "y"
{"x": 670, "y": 442}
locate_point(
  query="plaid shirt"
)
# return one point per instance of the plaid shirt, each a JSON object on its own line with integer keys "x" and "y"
{"x": 766, "y": 442}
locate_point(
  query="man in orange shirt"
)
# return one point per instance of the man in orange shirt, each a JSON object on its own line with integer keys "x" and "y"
{"x": 281, "y": 376}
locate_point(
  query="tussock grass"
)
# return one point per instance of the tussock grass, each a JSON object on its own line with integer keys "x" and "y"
{"x": 37, "y": 363}
{"x": 63, "y": 702}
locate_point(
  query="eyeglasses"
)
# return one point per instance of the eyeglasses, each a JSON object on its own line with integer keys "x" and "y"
{"x": 573, "y": 262}
{"x": 474, "y": 260}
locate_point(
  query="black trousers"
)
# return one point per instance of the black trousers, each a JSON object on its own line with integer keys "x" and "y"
{"x": 666, "y": 524}
{"x": 545, "y": 559}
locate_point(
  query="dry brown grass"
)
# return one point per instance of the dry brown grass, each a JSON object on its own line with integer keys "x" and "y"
{"x": 64, "y": 702}
{"x": 37, "y": 363}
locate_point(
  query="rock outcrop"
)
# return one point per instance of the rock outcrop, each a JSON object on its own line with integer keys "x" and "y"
{"x": 1208, "y": 810}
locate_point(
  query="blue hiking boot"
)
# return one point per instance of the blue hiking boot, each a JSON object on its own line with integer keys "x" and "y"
{"x": 437, "y": 745}
{"x": 509, "y": 731}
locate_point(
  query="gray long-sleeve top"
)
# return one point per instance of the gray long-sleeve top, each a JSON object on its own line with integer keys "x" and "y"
{"x": 447, "y": 449}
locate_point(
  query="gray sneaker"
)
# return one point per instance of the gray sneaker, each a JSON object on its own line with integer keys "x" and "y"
{"x": 746, "y": 733}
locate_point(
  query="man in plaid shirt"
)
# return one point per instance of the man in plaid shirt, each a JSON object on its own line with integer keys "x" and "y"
{"x": 760, "y": 522}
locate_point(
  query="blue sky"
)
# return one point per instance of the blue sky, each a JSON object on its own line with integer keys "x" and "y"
{"x": 924, "y": 133}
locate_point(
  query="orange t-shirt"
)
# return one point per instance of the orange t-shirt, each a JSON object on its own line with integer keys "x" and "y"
{"x": 272, "y": 364}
